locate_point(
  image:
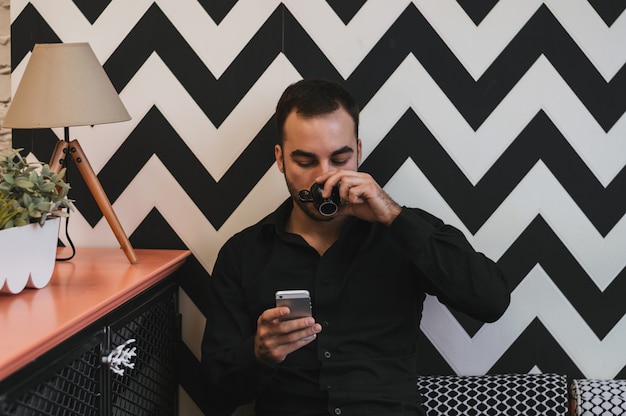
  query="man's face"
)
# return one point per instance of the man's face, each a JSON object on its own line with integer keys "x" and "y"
{"x": 313, "y": 146}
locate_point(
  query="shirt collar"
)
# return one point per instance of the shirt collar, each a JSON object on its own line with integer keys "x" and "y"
{"x": 275, "y": 222}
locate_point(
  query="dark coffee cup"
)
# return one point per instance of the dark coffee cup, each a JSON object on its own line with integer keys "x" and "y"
{"x": 325, "y": 206}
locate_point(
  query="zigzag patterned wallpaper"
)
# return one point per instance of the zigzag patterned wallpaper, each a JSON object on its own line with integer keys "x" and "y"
{"x": 504, "y": 118}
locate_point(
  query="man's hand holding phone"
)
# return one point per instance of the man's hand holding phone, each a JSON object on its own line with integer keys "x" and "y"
{"x": 287, "y": 327}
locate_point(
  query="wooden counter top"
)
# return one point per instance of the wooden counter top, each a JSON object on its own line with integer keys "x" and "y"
{"x": 82, "y": 290}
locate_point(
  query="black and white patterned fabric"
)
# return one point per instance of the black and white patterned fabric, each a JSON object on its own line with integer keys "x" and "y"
{"x": 497, "y": 395}
{"x": 598, "y": 397}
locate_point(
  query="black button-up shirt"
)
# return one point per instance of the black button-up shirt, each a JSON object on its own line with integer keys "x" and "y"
{"x": 367, "y": 292}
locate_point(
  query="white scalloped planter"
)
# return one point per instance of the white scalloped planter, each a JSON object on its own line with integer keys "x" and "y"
{"x": 28, "y": 254}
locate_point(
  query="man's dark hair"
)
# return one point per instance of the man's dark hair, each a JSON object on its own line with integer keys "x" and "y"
{"x": 314, "y": 97}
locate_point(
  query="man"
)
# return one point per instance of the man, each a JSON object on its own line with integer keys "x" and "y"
{"x": 367, "y": 267}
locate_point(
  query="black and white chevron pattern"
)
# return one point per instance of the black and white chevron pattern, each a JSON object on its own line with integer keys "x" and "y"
{"x": 504, "y": 118}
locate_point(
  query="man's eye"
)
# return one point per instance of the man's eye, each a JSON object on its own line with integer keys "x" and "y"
{"x": 305, "y": 163}
{"x": 340, "y": 162}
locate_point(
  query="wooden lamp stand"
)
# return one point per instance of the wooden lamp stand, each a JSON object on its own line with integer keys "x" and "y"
{"x": 65, "y": 150}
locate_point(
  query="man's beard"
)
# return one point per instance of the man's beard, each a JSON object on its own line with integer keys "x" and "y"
{"x": 307, "y": 207}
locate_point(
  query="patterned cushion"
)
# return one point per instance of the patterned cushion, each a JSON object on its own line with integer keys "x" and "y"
{"x": 497, "y": 395}
{"x": 598, "y": 397}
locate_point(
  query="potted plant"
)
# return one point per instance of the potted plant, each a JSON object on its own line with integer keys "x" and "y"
{"x": 32, "y": 200}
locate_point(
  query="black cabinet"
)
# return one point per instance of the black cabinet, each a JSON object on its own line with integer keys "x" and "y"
{"x": 123, "y": 364}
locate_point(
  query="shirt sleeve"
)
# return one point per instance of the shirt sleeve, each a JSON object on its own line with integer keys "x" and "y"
{"x": 231, "y": 372}
{"x": 459, "y": 276}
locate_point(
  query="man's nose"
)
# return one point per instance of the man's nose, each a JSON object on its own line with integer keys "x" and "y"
{"x": 325, "y": 167}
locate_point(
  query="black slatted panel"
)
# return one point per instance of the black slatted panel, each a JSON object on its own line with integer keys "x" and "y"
{"x": 150, "y": 388}
{"x": 73, "y": 390}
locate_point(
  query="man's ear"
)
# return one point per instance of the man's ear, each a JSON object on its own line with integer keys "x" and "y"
{"x": 278, "y": 153}
{"x": 359, "y": 152}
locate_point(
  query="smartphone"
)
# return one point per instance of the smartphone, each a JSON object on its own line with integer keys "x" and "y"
{"x": 298, "y": 301}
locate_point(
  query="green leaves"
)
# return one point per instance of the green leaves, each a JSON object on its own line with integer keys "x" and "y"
{"x": 8, "y": 211}
{"x": 30, "y": 192}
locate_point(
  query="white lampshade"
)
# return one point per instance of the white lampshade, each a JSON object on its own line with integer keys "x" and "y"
{"x": 64, "y": 85}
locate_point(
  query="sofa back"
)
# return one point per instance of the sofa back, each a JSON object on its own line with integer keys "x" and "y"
{"x": 589, "y": 397}
{"x": 495, "y": 395}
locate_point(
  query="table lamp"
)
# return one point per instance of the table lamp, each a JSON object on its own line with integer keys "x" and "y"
{"x": 65, "y": 85}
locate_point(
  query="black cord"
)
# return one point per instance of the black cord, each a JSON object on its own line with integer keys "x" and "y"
{"x": 67, "y": 158}
{"x": 69, "y": 240}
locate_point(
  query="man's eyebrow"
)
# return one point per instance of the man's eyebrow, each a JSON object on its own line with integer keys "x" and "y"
{"x": 303, "y": 153}
{"x": 345, "y": 149}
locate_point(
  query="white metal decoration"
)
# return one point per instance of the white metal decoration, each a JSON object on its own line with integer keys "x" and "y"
{"x": 121, "y": 357}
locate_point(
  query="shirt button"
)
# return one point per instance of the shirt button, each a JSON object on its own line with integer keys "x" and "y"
{"x": 327, "y": 354}
{"x": 337, "y": 411}
{"x": 326, "y": 324}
